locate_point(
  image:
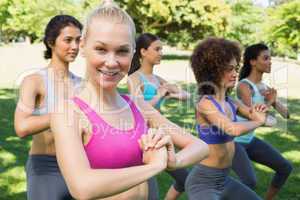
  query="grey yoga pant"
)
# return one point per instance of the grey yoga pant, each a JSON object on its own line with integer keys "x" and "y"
{"x": 209, "y": 183}
{"x": 44, "y": 180}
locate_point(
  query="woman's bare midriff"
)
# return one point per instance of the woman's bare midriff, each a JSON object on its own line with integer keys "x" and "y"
{"x": 220, "y": 155}
{"x": 139, "y": 192}
{"x": 43, "y": 144}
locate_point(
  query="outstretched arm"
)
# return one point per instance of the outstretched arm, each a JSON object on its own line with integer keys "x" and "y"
{"x": 174, "y": 91}
{"x": 192, "y": 149}
{"x": 272, "y": 99}
{"x": 214, "y": 117}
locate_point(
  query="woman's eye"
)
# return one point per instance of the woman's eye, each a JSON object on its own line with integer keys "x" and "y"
{"x": 101, "y": 50}
{"x": 123, "y": 51}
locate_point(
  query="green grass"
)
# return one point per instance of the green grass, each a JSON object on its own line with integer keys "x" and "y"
{"x": 13, "y": 151}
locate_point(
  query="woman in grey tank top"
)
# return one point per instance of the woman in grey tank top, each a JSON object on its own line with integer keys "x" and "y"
{"x": 39, "y": 93}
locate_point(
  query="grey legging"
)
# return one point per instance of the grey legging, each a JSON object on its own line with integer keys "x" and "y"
{"x": 214, "y": 184}
{"x": 44, "y": 180}
{"x": 263, "y": 153}
{"x": 179, "y": 177}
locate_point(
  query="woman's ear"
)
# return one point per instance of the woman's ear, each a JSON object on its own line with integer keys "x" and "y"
{"x": 50, "y": 44}
{"x": 253, "y": 62}
{"x": 143, "y": 52}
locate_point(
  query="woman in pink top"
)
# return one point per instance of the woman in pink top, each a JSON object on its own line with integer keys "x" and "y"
{"x": 109, "y": 145}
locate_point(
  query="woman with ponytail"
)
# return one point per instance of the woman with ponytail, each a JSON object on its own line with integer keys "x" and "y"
{"x": 251, "y": 90}
{"x": 142, "y": 82}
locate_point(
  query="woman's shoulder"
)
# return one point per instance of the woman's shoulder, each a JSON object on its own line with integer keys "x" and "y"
{"x": 34, "y": 80}
{"x": 205, "y": 104}
{"x": 245, "y": 87}
{"x": 134, "y": 78}
{"x": 134, "y": 74}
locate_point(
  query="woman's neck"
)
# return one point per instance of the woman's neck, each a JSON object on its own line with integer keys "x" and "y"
{"x": 95, "y": 93}
{"x": 221, "y": 94}
{"x": 146, "y": 68}
{"x": 59, "y": 68}
{"x": 255, "y": 76}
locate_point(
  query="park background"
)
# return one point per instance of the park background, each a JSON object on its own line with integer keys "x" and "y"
{"x": 180, "y": 24}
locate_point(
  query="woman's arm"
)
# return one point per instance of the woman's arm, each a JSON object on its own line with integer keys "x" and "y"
{"x": 25, "y": 123}
{"x": 135, "y": 87}
{"x": 84, "y": 182}
{"x": 282, "y": 109}
{"x": 174, "y": 91}
{"x": 244, "y": 105}
{"x": 271, "y": 97}
{"x": 214, "y": 117}
{"x": 192, "y": 149}
{"x": 244, "y": 93}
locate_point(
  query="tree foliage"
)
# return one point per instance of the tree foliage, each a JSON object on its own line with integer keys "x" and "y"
{"x": 178, "y": 22}
{"x": 245, "y": 22}
{"x": 4, "y": 16}
{"x": 29, "y": 17}
{"x": 283, "y": 28}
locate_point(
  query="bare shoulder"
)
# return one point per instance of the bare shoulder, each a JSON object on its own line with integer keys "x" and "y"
{"x": 134, "y": 77}
{"x": 31, "y": 85}
{"x": 244, "y": 93}
{"x": 134, "y": 84}
{"x": 205, "y": 106}
{"x": 243, "y": 87}
{"x": 34, "y": 79}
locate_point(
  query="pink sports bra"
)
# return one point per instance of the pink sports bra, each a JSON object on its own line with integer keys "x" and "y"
{"x": 112, "y": 148}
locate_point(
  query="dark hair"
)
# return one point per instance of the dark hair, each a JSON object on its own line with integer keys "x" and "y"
{"x": 53, "y": 28}
{"x": 251, "y": 53}
{"x": 142, "y": 42}
{"x": 209, "y": 61}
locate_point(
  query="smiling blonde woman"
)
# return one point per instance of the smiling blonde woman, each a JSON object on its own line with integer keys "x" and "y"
{"x": 109, "y": 145}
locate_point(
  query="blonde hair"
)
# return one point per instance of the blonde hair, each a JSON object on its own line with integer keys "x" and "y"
{"x": 108, "y": 9}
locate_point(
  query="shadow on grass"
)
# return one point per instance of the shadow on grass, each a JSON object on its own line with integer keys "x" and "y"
{"x": 13, "y": 151}
{"x": 287, "y": 141}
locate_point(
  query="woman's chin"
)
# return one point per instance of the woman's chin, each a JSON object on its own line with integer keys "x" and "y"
{"x": 107, "y": 82}
{"x": 107, "y": 85}
{"x": 230, "y": 86}
{"x": 157, "y": 62}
